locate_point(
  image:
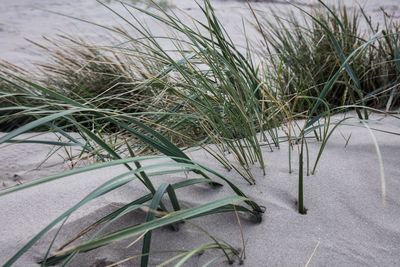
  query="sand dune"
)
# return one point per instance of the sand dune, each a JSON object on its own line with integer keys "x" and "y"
{"x": 30, "y": 19}
{"x": 350, "y": 222}
{"x": 353, "y": 211}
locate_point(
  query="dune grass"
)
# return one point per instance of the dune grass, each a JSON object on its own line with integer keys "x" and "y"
{"x": 204, "y": 91}
{"x": 321, "y": 63}
{"x": 308, "y": 49}
{"x": 59, "y": 106}
{"x": 219, "y": 84}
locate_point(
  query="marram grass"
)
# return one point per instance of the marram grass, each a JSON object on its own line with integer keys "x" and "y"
{"x": 151, "y": 97}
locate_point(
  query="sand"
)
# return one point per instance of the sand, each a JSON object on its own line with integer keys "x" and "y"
{"x": 349, "y": 222}
{"x": 29, "y": 19}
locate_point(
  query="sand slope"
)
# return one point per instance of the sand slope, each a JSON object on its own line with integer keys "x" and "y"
{"x": 348, "y": 221}
{"x": 31, "y": 19}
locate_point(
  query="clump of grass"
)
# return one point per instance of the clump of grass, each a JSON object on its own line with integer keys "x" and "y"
{"x": 323, "y": 66}
{"x": 218, "y": 82}
{"x": 110, "y": 97}
{"x": 213, "y": 94}
{"x": 100, "y": 76}
{"x": 109, "y": 79}
{"x": 55, "y": 110}
{"x": 322, "y": 63}
{"x": 310, "y": 48}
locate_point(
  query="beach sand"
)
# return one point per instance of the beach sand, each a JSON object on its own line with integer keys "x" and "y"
{"x": 353, "y": 214}
{"x": 353, "y": 211}
{"x": 29, "y": 19}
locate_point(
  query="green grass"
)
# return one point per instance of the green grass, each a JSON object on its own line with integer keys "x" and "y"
{"x": 136, "y": 101}
{"x": 219, "y": 84}
{"x": 321, "y": 63}
{"x": 307, "y": 50}
{"x": 61, "y": 107}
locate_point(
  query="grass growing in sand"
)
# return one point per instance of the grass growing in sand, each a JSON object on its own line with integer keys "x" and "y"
{"x": 322, "y": 64}
{"x": 59, "y": 106}
{"x": 133, "y": 102}
{"x": 312, "y": 47}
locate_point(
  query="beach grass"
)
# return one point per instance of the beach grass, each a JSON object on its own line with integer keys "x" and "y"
{"x": 61, "y": 107}
{"x": 140, "y": 102}
{"x": 306, "y": 50}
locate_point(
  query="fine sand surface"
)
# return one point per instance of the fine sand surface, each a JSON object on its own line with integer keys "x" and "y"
{"x": 353, "y": 212}
{"x": 32, "y": 19}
